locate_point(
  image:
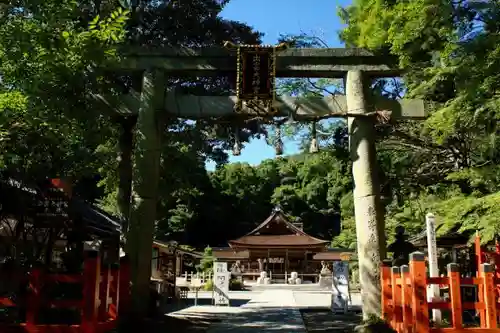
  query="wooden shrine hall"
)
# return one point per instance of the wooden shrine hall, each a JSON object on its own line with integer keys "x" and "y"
{"x": 279, "y": 247}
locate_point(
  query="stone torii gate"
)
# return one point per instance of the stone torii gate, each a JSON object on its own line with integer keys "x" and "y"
{"x": 356, "y": 66}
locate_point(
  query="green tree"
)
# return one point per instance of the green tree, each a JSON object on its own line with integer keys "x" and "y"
{"x": 49, "y": 61}
{"x": 450, "y": 51}
{"x": 207, "y": 262}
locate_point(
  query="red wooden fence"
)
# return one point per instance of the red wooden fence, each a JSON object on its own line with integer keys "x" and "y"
{"x": 404, "y": 298}
{"x": 106, "y": 292}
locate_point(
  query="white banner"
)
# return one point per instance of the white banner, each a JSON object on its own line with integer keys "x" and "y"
{"x": 221, "y": 283}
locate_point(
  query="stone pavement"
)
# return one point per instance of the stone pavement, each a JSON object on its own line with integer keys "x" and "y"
{"x": 267, "y": 311}
{"x": 251, "y": 312}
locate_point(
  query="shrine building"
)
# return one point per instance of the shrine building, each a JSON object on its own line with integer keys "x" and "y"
{"x": 280, "y": 247}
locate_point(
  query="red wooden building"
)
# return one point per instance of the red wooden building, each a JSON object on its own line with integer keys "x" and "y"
{"x": 279, "y": 247}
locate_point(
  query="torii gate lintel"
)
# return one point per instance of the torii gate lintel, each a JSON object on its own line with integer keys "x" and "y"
{"x": 303, "y": 62}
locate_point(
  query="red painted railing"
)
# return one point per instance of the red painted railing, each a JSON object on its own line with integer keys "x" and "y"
{"x": 106, "y": 293}
{"x": 406, "y": 308}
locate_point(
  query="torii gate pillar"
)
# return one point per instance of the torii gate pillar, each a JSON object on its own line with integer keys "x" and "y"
{"x": 367, "y": 206}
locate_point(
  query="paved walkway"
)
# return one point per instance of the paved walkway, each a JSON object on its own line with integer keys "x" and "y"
{"x": 269, "y": 311}
{"x": 263, "y": 311}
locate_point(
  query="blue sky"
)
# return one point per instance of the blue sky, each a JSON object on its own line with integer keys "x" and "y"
{"x": 275, "y": 17}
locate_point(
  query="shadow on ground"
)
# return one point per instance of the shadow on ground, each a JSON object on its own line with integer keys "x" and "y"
{"x": 169, "y": 324}
{"x": 180, "y": 316}
{"x": 265, "y": 320}
{"x": 323, "y": 320}
{"x": 245, "y": 316}
{"x": 186, "y": 303}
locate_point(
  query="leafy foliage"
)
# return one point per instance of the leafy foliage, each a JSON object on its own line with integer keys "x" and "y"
{"x": 447, "y": 164}
{"x": 49, "y": 61}
{"x": 207, "y": 262}
{"x": 52, "y": 56}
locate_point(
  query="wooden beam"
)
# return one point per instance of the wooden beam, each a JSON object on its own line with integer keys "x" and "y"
{"x": 196, "y": 107}
{"x": 313, "y": 63}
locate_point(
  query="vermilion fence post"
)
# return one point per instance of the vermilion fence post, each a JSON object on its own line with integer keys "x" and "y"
{"x": 455, "y": 298}
{"x": 397, "y": 319}
{"x": 124, "y": 306}
{"x": 406, "y": 298}
{"x": 420, "y": 307}
{"x": 385, "y": 277}
{"x": 104, "y": 293}
{"x": 91, "y": 275}
{"x": 34, "y": 296}
{"x": 114, "y": 288}
{"x": 497, "y": 270}
{"x": 480, "y": 288}
{"x": 489, "y": 296}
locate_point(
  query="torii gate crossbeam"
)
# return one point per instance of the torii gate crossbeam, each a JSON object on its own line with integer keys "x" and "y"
{"x": 312, "y": 63}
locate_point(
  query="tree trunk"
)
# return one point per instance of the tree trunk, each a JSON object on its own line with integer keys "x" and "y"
{"x": 126, "y": 146}
{"x": 367, "y": 204}
{"x": 149, "y": 130}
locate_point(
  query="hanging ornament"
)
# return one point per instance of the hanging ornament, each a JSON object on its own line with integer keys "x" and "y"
{"x": 314, "y": 148}
{"x": 237, "y": 143}
{"x": 278, "y": 143}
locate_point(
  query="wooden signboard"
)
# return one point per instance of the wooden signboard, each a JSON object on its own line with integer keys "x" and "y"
{"x": 221, "y": 283}
{"x": 256, "y": 76}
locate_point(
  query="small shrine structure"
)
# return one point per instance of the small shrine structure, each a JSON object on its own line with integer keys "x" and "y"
{"x": 169, "y": 263}
{"x": 279, "y": 247}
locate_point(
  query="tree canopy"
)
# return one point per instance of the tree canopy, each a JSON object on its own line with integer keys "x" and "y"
{"x": 57, "y": 59}
{"x": 449, "y": 163}
{"x": 54, "y": 58}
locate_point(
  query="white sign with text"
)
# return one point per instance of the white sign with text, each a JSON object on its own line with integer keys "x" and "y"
{"x": 340, "y": 291}
{"x": 221, "y": 283}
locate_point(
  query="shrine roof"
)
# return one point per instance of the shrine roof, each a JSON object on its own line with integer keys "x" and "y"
{"x": 278, "y": 240}
{"x": 277, "y": 230}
